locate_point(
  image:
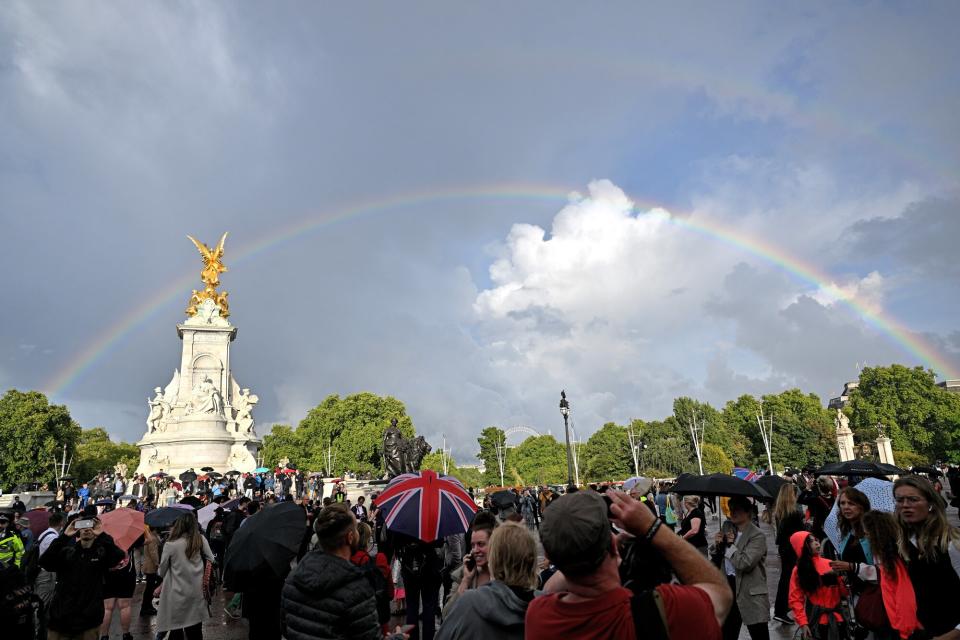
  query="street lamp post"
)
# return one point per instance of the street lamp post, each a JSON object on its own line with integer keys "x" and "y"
{"x": 565, "y": 411}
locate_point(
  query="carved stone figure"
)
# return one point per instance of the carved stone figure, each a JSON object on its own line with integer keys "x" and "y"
{"x": 206, "y": 399}
{"x": 841, "y": 421}
{"x": 402, "y": 455}
{"x": 158, "y": 410}
{"x": 244, "y": 403}
{"x": 120, "y": 470}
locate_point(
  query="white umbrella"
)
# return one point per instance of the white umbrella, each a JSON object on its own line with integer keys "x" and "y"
{"x": 880, "y": 494}
{"x": 206, "y": 514}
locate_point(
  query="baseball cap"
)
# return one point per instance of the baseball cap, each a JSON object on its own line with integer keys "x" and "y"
{"x": 576, "y": 533}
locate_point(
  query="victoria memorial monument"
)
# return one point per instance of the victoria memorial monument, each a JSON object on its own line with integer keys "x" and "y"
{"x": 203, "y": 417}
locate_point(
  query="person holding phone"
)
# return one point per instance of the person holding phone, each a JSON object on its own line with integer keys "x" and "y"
{"x": 77, "y": 607}
{"x": 474, "y": 572}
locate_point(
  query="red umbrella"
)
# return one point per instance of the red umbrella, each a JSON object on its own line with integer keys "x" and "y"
{"x": 39, "y": 520}
{"x": 289, "y": 471}
{"x": 124, "y": 526}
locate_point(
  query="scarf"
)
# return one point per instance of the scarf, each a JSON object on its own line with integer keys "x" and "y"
{"x": 899, "y": 599}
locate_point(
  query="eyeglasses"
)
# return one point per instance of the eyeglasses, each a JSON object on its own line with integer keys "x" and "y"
{"x": 908, "y": 499}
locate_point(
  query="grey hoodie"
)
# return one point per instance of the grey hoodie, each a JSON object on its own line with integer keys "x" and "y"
{"x": 490, "y": 611}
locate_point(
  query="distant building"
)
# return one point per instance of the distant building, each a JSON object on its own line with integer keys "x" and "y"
{"x": 953, "y": 386}
{"x": 841, "y": 402}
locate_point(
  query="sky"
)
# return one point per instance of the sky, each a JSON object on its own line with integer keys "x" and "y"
{"x": 473, "y": 206}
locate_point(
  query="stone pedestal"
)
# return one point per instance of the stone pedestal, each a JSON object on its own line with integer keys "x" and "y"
{"x": 845, "y": 444}
{"x": 884, "y": 450}
{"x": 202, "y": 418}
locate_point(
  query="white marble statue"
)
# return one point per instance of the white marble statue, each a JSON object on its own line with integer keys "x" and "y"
{"x": 206, "y": 399}
{"x": 244, "y": 405}
{"x": 158, "y": 409}
{"x": 841, "y": 421}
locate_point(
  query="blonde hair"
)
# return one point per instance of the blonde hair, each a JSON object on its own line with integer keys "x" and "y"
{"x": 934, "y": 534}
{"x": 693, "y": 501}
{"x": 365, "y": 533}
{"x": 786, "y": 502}
{"x": 512, "y": 556}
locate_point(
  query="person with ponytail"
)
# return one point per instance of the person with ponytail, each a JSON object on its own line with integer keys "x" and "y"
{"x": 815, "y": 591}
{"x": 899, "y": 598}
{"x": 932, "y": 549}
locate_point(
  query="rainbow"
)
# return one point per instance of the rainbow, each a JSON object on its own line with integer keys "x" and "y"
{"x": 179, "y": 289}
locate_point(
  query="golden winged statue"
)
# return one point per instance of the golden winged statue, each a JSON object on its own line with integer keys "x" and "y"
{"x": 210, "y": 276}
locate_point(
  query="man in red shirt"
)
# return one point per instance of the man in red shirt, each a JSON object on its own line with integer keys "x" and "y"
{"x": 585, "y": 600}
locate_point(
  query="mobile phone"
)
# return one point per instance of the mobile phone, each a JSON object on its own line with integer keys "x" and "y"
{"x": 83, "y": 524}
{"x": 469, "y": 562}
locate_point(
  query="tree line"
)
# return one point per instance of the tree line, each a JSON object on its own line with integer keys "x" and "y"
{"x": 340, "y": 434}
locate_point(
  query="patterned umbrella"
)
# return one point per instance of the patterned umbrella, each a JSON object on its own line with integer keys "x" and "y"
{"x": 426, "y": 506}
{"x": 880, "y": 493}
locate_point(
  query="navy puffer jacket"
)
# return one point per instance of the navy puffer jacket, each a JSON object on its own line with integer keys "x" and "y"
{"x": 328, "y": 598}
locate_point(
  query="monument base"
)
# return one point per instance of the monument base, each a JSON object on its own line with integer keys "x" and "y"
{"x": 196, "y": 442}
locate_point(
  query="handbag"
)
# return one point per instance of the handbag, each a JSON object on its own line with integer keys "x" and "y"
{"x": 869, "y": 610}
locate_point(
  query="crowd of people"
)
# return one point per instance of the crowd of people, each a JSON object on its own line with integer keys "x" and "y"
{"x": 623, "y": 561}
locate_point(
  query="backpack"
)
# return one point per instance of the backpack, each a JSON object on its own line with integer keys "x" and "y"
{"x": 31, "y": 559}
{"x": 216, "y": 531}
{"x": 382, "y": 589}
{"x": 16, "y": 603}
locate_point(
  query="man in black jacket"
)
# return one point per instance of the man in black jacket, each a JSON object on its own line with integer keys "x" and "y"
{"x": 327, "y": 596}
{"x": 77, "y": 607}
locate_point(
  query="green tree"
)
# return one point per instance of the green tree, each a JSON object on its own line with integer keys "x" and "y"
{"x": 96, "y": 452}
{"x": 606, "y": 455}
{"x": 715, "y": 460}
{"x": 918, "y": 415}
{"x": 33, "y": 433}
{"x": 539, "y": 460}
{"x": 352, "y": 428}
{"x": 803, "y": 430}
{"x": 282, "y": 442}
{"x": 488, "y": 441}
{"x": 716, "y": 431}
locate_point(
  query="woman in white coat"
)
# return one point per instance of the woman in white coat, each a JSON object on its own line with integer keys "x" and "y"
{"x": 182, "y": 605}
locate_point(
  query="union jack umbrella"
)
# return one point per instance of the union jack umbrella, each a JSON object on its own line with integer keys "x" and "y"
{"x": 426, "y": 506}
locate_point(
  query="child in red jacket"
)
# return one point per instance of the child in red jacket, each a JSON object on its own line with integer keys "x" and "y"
{"x": 815, "y": 591}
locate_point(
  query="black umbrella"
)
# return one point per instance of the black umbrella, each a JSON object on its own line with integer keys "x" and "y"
{"x": 930, "y": 471}
{"x": 188, "y": 476}
{"x": 105, "y": 502}
{"x": 505, "y": 498}
{"x": 193, "y": 501}
{"x": 291, "y": 465}
{"x": 163, "y": 517}
{"x": 160, "y": 474}
{"x": 206, "y": 468}
{"x": 215, "y": 474}
{"x": 863, "y": 468}
{"x": 266, "y": 542}
{"x": 771, "y": 484}
{"x": 233, "y": 473}
{"x": 718, "y": 484}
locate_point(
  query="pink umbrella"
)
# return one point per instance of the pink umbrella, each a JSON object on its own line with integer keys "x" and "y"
{"x": 124, "y": 526}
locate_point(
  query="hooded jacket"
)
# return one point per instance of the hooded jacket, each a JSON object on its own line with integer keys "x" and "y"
{"x": 899, "y": 599}
{"x": 328, "y": 598}
{"x": 78, "y": 599}
{"x": 490, "y": 611}
{"x": 827, "y": 596}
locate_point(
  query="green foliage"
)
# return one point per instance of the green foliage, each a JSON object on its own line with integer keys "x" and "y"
{"x": 918, "y": 415}
{"x": 96, "y": 452}
{"x": 488, "y": 440}
{"x": 803, "y": 430}
{"x": 606, "y": 455}
{"x": 353, "y": 426}
{"x": 539, "y": 460}
{"x": 282, "y": 442}
{"x": 667, "y": 458}
{"x": 715, "y": 460}
{"x": 33, "y": 433}
{"x": 716, "y": 431}
{"x": 907, "y": 459}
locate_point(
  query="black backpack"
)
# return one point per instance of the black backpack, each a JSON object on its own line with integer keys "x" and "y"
{"x": 16, "y": 603}
{"x": 381, "y": 588}
{"x": 31, "y": 559}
